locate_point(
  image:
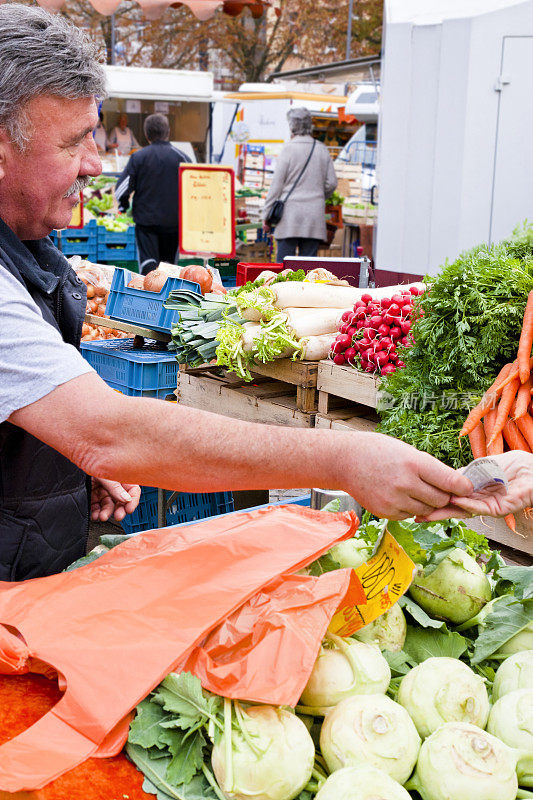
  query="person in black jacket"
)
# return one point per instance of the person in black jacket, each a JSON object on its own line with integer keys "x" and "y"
{"x": 152, "y": 174}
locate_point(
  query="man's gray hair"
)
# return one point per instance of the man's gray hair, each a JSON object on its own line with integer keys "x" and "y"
{"x": 156, "y": 127}
{"x": 300, "y": 121}
{"x": 42, "y": 54}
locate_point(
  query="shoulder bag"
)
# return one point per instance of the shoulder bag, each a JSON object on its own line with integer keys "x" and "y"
{"x": 276, "y": 212}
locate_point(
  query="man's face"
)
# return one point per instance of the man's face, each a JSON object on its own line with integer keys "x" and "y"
{"x": 38, "y": 186}
{"x": 123, "y": 122}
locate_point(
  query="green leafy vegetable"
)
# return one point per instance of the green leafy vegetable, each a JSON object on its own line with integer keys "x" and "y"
{"x": 422, "y": 643}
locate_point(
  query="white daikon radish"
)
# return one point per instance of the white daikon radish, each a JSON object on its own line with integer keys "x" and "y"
{"x": 251, "y": 314}
{"x": 317, "y": 347}
{"x": 294, "y": 294}
{"x": 305, "y": 322}
{"x": 251, "y": 332}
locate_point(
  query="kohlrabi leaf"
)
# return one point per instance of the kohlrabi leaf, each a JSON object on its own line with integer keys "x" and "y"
{"x": 417, "y": 540}
{"x": 507, "y": 617}
{"x": 399, "y": 662}
{"x": 517, "y": 581}
{"x": 181, "y": 693}
{"x": 418, "y": 613}
{"x": 187, "y": 755}
{"x": 155, "y": 770}
{"x": 422, "y": 643}
{"x": 145, "y": 729}
{"x": 325, "y": 563}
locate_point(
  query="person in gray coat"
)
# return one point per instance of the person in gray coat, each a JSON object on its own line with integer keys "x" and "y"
{"x": 303, "y": 224}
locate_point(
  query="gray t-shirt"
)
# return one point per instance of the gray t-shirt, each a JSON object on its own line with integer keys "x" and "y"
{"x": 34, "y": 359}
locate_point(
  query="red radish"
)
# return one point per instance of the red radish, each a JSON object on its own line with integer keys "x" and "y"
{"x": 388, "y": 319}
{"x": 381, "y": 359}
{"x": 387, "y": 369}
{"x": 373, "y": 308}
{"x": 383, "y": 330}
{"x": 359, "y": 313}
{"x": 370, "y": 368}
{"x": 395, "y": 332}
{"x": 350, "y": 354}
{"x": 400, "y": 363}
{"x": 385, "y": 302}
{"x": 378, "y": 345}
{"x": 414, "y": 290}
{"x": 344, "y": 340}
{"x": 405, "y": 325}
{"x": 339, "y": 360}
{"x": 366, "y": 298}
{"x": 393, "y": 357}
{"x": 359, "y": 304}
{"x": 397, "y": 299}
{"x": 407, "y": 308}
{"x": 386, "y": 341}
{"x": 346, "y": 316}
{"x": 376, "y": 321}
{"x": 344, "y": 328}
{"x": 337, "y": 347}
{"x": 394, "y": 310}
{"x": 370, "y": 333}
{"x": 360, "y": 324}
{"x": 351, "y": 331}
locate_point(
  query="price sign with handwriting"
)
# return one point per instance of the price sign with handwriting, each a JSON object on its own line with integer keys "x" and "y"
{"x": 383, "y": 580}
{"x": 207, "y": 210}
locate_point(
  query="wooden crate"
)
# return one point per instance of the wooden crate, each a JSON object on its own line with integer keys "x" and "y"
{"x": 515, "y": 547}
{"x": 269, "y": 401}
{"x": 334, "y": 382}
{"x": 350, "y": 418}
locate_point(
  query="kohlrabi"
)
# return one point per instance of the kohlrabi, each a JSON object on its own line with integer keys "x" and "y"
{"x": 511, "y": 720}
{"x": 370, "y": 729}
{"x": 462, "y": 762}
{"x": 269, "y": 755}
{"x": 440, "y": 690}
{"x": 351, "y": 553}
{"x": 387, "y": 631}
{"x": 344, "y": 667}
{"x": 520, "y": 641}
{"x": 516, "y": 672}
{"x": 455, "y": 590}
{"x": 361, "y": 783}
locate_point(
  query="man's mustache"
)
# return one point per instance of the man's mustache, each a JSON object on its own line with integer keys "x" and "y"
{"x": 77, "y": 187}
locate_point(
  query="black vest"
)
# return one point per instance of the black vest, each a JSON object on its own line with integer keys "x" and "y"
{"x": 44, "y": 502}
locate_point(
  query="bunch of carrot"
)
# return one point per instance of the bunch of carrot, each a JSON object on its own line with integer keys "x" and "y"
{"x": 504, "y": 416}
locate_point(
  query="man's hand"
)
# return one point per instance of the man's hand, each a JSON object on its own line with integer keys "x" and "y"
{"x": 111, "y": 498}
{"x": 394, "y": 480}
{"x": 266, "y": 227}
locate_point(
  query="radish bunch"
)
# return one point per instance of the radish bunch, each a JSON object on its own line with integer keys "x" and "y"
{"x": 369, "y": 335}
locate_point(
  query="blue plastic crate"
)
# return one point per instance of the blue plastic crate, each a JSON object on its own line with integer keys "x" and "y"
{"x": 86, "y": 249}
{"x": 116, "y": 237}
{"x": 158, "y": 394}
{"x": 89, "y": 232}
{"x": 116, "y": 360}
{"x": 186, "y": 508}
{"x": 142, "y": 307}
{"x": 124, "y": 252}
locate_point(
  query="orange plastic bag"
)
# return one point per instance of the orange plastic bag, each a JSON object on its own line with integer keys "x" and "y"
{"x": 115, "y": 628}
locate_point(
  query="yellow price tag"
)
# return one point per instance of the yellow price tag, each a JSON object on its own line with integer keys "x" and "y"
{"x": 75, "y": 221}
{"x": 383, "y": 580}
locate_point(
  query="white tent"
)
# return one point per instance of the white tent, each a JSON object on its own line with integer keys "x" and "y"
{"x": 456, "y": 130}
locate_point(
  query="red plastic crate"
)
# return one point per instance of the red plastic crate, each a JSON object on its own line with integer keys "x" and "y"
{"x": 249, "y": 272}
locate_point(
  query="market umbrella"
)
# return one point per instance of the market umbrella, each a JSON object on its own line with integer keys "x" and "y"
{"x": 203, "y": 9}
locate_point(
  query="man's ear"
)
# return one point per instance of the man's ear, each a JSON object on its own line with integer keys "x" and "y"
{"x": 5, "y": 145}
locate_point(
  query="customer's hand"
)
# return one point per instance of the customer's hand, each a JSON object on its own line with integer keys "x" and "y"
{"x": 266, "y": 227}
{"x": 394, "y": 480}
{"x": 111, "y": 498}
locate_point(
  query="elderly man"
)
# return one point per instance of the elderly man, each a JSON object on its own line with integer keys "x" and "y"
{"x": 59, "y": 421}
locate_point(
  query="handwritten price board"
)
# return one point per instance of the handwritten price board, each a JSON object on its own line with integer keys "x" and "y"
{"x": 207, "y": 210}
{"x": 383, "y": 580}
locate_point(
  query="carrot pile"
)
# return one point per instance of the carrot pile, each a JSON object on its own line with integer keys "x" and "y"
{"x": 504, "y": 416}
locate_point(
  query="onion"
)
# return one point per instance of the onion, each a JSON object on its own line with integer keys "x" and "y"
{"x": 154, "y": 281}
{"x": 137, "y": 282}
{"x": 462, "y": 762}
{"x": 443, "y": 689}
{"x": 199, "y": 275}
